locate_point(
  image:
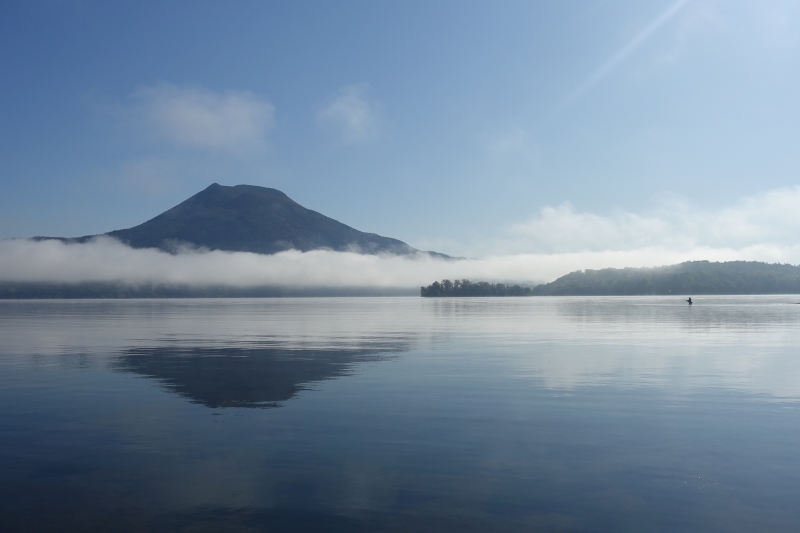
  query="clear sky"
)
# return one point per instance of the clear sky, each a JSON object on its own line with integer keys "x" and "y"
{"x": 471, "y": 128}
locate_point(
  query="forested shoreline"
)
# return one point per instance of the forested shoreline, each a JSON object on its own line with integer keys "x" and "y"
{"x": 691, "y": 277}
{"x": 119, "y": 291}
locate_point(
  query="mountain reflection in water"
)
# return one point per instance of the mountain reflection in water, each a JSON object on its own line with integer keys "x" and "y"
{"x": 468, "y": 415}
{"x": 245, "y": 377}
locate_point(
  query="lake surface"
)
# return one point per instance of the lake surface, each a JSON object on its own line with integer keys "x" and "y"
{"x": 401, "y": 414}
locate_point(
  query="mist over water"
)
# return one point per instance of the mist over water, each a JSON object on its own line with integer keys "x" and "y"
{"x": 400, "y": 414}
{"x": 107, "y": 260}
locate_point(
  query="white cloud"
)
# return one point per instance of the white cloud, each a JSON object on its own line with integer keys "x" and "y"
{"x": 352, "y": 115}
{"x": 107, "y": 260}
{"x": 771, "y": 218}
{"x": 232, "y": 121}
{"x": 556, "y": 241}
{"x": 563, "y": 229}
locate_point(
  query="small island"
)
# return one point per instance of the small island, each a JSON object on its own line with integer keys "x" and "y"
{"x": 465, "y": 287}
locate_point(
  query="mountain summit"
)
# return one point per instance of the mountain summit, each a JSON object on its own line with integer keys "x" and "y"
{"x": 246, "y": 218}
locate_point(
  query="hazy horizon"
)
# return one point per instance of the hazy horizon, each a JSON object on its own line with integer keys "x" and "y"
{"x": 107, "y": 260}
{"x": 553, "y": 242}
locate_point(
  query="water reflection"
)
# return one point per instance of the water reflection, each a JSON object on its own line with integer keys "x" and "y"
{"x": 731, "y": 313}
{"x": 245, "y": 377}
{"x": 534, "y": 414}
{"x": 565, "y": 343}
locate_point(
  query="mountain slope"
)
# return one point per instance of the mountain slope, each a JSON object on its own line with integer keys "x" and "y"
{"x": 692, "y": 277}
{"x": 246, "y": 218}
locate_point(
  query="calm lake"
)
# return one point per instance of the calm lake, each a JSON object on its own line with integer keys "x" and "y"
{"x": 401, "y": 414}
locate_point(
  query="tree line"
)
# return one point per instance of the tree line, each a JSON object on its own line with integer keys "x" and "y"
{"x": 692, "y": 277}
{"x": 465, "y": 287}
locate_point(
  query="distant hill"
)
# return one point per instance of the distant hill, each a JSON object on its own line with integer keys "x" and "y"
{"x": 693, "y": 277}
{"x": 246, "y": 218}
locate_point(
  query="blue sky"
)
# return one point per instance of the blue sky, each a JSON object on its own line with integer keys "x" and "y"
{"x": 471, "y": 128}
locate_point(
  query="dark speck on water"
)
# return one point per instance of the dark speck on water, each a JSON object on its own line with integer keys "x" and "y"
{"x": 400, "y": 414}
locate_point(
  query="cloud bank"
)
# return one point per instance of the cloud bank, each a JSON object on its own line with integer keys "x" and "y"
{"x": 554, "y": 242}
{"x": 106, "y": 260}
{"x": 770, "y": 219}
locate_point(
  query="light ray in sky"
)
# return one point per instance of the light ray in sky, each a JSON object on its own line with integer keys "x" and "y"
{"x": 603, "y": 70}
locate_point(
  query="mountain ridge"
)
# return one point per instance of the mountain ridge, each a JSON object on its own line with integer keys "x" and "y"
{"x": 249, "y": 218}
{"x": 689, "y": 277}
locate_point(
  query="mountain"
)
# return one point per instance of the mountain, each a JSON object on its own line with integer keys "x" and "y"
{"x": 246, "y": 218}
{"x": 689, "y": 278}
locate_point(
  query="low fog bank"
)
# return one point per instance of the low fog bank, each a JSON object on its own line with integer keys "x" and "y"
{"x": 93, "y": 290}
{"x": 105, "y": 260}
